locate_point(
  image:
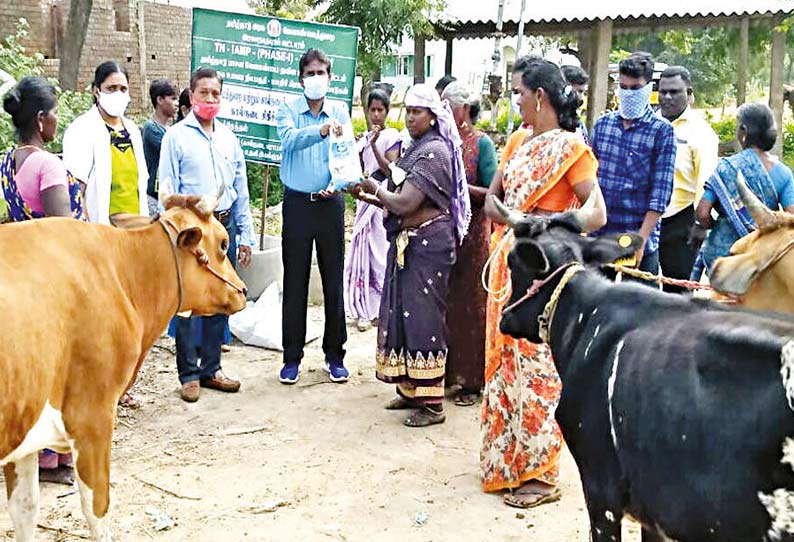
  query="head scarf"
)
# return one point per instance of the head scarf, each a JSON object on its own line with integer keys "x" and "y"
{"x": 423, "y": 95}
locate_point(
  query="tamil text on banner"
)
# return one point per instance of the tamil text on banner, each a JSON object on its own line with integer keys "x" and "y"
{"x": 257, "y": 57}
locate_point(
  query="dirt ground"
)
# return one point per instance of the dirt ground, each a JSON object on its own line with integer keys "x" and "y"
{"x": 315, "y": 461}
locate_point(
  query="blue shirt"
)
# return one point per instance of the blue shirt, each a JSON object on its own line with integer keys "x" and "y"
{"x": 781, "y": 177}
{"x": 194, "y": 163}
{"x": 636, "y": 167}
{"x": 304, "y": 159}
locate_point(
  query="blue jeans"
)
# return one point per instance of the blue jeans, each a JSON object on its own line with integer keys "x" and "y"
{"x": 211, "y": 333}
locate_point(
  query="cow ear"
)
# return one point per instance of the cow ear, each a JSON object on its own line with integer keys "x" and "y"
{"x": 531, "y": 255}
{"x": 611, "y": 248}
{"x": 189, "y": 237}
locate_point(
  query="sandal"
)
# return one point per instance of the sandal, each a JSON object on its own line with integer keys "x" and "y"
{"x": 128, "y": 401}
{"x": 424, "y": 417}
{"x": 519, "y": 500}
{"x": 401, "y": 403}
{"x": 466, "y": 398}
{"x": 61, "y": 475}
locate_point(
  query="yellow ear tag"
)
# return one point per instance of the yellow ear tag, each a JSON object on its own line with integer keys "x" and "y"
{"x": 624, "y": 241}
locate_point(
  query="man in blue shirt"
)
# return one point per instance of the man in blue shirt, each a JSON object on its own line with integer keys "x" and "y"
{"x": 312, "y": 216}
{"x": 197, "y": 156}
{"x": 636, "y": 160}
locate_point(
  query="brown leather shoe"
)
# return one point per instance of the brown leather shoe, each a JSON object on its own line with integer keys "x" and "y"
{"x": 221, "y": 382}
{"x": 190, "y": 391}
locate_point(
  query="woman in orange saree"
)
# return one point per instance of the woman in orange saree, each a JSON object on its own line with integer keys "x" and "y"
{"x": 546, "y": 172}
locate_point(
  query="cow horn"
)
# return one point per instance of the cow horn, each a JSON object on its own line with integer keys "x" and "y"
{"x": 760, "y": 213}
{"x": 582, "y": 215}
{"x": 208, "y": 204}
{"x": 511, "y": 217}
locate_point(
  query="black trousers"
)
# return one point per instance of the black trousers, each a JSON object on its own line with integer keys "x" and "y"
{"x": 675, "y": 256}
{"x": 307, "y": 223}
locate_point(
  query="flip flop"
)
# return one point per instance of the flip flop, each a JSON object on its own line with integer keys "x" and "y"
{"x": 465, "y": 399}
{"x": 400, "y": 403}
{"x": 424, "y": 417}
{"x": 513, "y": 500}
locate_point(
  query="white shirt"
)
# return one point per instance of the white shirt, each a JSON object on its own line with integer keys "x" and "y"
{"x": 86, "y": 154}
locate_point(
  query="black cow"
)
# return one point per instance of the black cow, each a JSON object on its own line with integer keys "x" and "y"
{"x": 677, "y": 411}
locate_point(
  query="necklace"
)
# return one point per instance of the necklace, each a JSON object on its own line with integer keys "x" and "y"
{"x": 22, "y": 147}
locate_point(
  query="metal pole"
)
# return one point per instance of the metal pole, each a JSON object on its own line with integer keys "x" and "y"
{"x": 519, "y": 41}
{"x": 265, "y": 186}
{"x": 497, "y": 59}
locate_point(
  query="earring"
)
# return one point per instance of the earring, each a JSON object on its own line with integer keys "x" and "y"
{"x": 537, "y": 107}
{"x": 432, "y": 123}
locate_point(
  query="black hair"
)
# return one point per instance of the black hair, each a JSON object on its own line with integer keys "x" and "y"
{"x": 105, "y": 70}
{"x": 547, "y": 75}
{"x": 678, "y": 71}
{"x": 310, "y": 56}
{"x": 204, "y": 73}
{"x": 184, "y": 101}
{"x": 523, "y": 62}
{"x": 758, "y": 122}
{"x": 639, "y": 65}
{"x": 444, "y": 82}
{"x": 25, "y": 101}
{"x": 379, "y": 95}
{"x": 474, "y": 110}
{"x": 575, "y": 75}
{"x": 161, "y": 87}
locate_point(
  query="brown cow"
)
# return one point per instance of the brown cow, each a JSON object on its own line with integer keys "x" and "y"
{"x": 84, "y": 303}
{"x": 760, "y": 270}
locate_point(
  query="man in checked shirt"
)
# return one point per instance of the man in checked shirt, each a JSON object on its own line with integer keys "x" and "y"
{"x": 636, "y": 160}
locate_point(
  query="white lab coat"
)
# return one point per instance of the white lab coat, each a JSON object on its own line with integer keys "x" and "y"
{"x": 86, "y": 154}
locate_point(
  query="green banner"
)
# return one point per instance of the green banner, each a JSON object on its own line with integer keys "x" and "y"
{"x": 258, "y": 60}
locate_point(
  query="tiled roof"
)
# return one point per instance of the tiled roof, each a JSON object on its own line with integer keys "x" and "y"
{"x": 539, "y": 12}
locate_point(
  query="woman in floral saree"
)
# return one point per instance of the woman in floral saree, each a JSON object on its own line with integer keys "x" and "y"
{"x": 546, "y": 173}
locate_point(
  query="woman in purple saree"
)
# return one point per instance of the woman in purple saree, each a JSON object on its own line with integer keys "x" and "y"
{"x": 428, "y": 214}
{"x": 366, "y": 260}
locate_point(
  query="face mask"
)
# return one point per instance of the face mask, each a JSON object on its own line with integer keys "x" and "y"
{"x": 114, "y": 103}
{"x": 205, "y": 110}
{"x": 634, "y": 102}
{"x": 514, "y": 107}
{"x": 315, "y": 87}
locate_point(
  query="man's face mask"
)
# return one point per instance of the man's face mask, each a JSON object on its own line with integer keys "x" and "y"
{"x": 634, "y": 102}
{"x": 315, "y": 87}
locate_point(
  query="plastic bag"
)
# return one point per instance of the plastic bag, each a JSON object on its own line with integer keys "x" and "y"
{"x": 343, "y": 159}
{"x": 259, "y": 323}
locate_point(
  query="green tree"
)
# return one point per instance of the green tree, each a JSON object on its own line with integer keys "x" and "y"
{"x": 383, "y": 24}
{"x": 288, "y": 9}
{"x": 711, "y": 55}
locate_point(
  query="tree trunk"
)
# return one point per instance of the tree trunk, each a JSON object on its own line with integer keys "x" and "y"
{"x": 74, "y": 37}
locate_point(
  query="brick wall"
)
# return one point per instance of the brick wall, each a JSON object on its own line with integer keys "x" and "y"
{"x": 37, "y": 13}
{"x": 167, "y": 30}
{"x": 113, "y": 33}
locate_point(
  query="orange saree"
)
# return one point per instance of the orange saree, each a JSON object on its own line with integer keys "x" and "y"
{"x": 521, "y": 439}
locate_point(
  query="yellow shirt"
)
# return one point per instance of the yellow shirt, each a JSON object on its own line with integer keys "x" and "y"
{"x": 695, "y": 160}
{"x": 124, "y": 180}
